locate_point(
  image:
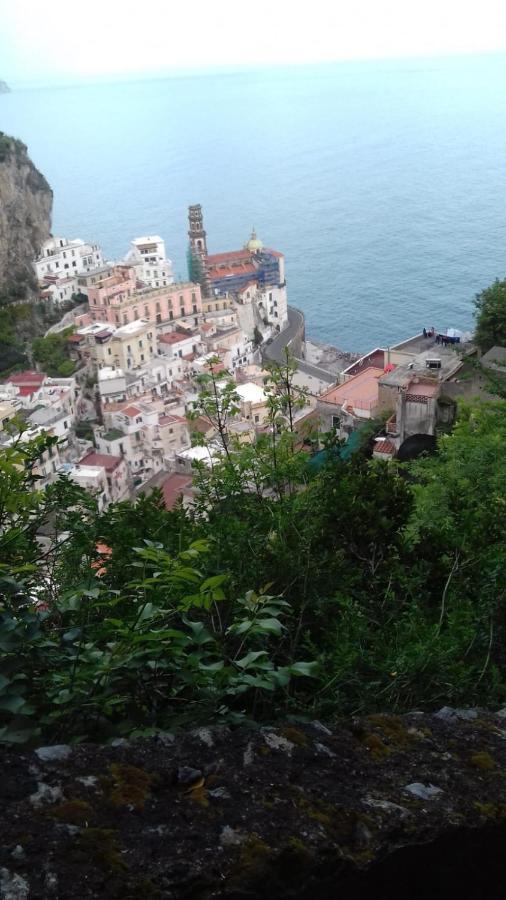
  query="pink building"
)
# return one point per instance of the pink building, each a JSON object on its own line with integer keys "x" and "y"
{"x": 118, "y": 300}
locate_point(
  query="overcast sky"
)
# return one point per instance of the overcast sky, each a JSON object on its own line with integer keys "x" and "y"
{"x": 64, "y": 40}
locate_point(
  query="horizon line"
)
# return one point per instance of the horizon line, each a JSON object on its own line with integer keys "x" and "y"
{"x": 68, "y": 80}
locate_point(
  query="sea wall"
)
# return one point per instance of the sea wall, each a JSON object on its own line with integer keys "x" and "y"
{"x": 381, "y": 806}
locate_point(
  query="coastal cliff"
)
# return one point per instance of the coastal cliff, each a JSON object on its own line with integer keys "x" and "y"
{"x": 26, "y": 202}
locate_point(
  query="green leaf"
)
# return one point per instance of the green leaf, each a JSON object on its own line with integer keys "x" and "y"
{"x": 304, "y": 668}
{"x": 252, "y": 657}
{"x": 271, "y": 626}
{"x": 13, "y": 703}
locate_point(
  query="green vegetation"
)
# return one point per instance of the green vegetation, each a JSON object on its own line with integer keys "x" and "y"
{"x": 491, "y": 316}
{"x": 52, "y": 353}
{"x": 357, "y": 586}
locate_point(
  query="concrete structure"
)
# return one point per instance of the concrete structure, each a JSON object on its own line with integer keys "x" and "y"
{"x": 127, "y": 347}
{"x": 116, "y": 473}
{"x": 178, "y": 344}
{"x": 91, "y": 478}
{"x": 62, "y": 258}
{"x": 147, "y": 256}
{"x": 7, "y": 412}
{"x": 253, "y": 400}
{"x": 118, "y": 300}
{"x": 346, "y": 406}
{"x": 59, "y": 290}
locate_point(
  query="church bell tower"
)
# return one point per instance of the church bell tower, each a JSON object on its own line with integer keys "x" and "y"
{"x": 197, "y": 267}
{"x": 196, "y": 231}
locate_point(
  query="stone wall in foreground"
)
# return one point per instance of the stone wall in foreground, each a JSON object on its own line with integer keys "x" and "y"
{"x": 375, "y": 807}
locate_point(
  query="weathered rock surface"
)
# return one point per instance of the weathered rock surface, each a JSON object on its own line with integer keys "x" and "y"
{"x": 25, "y": 217}
{"x": 378, "y": 807}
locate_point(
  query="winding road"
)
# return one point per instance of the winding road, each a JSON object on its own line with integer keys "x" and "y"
{"x": 275, "y": 350}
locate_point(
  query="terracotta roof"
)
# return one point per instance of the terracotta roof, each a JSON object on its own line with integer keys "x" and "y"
{"x": 359, "y": 392}
{"x": 170, "y": 419}
{"x": 131, "y": 411}
{"x": 201, "y": 425}
{"x": 217, "y": 272}
{"x": 384, "y": 447}
{"x": 174, "y": 337}
{"x": 206, "y": 326}
{"x": 108, "y": 462}
{"x": 216, "y": 259}
{"x": 173, "y": 487}
{"x": 26, "y": 391}
{"x": 75, "y": 338}
{"x": 29, "y": 377}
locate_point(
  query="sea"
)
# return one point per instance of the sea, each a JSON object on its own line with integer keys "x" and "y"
{"x": 383, "y": 182}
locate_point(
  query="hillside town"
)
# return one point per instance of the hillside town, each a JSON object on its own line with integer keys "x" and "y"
{"x": 140, "y": 343}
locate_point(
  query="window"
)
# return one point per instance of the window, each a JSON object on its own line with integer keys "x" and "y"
{"x": 181, "y": 300}
{"x": 171, "y": 315}
{"x": 142, "y": 357}
{"x": 146, "y": 312}
{"x": 194, "y": 307}
{"x": 109, "y": 351}
{"x": 270, "y": 296}
{"x": 140, "y": 344}
{"x": 129, "y": 349}
{"x": 194, "y": 297}
{"x": 336, "y": 422}
{"x": 257, "y": 418}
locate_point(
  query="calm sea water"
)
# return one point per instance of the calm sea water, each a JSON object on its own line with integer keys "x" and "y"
{"x": 383, "y": 183}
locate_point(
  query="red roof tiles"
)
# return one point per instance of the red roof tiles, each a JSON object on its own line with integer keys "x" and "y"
{"x": 173, "y": 487}
{"x": 174, "y": 337}
{"x": 384, "y": 447}
{"x": 108, "y": 462}
{"x": 29, "y": 377}
{"x": 131, "y": 411}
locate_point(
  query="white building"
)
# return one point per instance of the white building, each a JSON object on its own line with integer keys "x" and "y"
{"x": 60, "y": 290}
{"x": 65, "y": 258}
{"x": 147, "y": 256}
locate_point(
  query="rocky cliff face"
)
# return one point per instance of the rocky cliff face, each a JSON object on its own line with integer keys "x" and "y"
{"x": 26, "y": 202}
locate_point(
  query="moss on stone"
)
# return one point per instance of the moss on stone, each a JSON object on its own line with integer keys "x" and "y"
{"x": 372, "y": 742}
{"x": 75, "y": 812}
{"x": 482, "y": 760}
{"x": 394, "y": 730}
{"x": 295, "y": 735}
{"x": 100, "y": 844}
{"x": 130, "y": 786}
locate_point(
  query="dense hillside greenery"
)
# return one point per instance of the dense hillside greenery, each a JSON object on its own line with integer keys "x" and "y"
{"x": 362, "y": 587}
{"x": 490, "y": 309}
